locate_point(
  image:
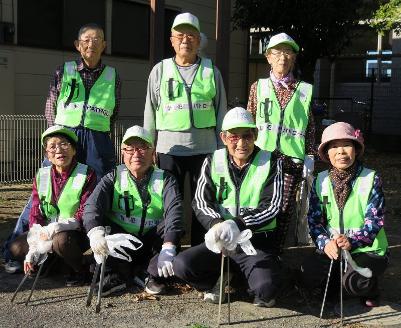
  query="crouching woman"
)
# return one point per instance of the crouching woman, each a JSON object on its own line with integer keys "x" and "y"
{"x": 59, "y": 194}
{"x": 346, "y": 214}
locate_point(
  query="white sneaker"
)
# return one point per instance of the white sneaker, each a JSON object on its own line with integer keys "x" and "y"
{"x": 13, "y": 266}
{"x": 213, "y": 295}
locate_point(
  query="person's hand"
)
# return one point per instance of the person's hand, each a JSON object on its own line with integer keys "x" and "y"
{"x": 221, "y": 236}
{"x": 165, "y": 260}
{"x": 343, "y": 242}
{"x": 30, "y": 259}
{"x": 331, "y": 249}
{"x": 98, "y": 243}
{"x": 28, "y": 266}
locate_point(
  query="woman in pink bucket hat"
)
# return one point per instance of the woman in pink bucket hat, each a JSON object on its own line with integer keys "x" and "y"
{"x": 346, "y": 218}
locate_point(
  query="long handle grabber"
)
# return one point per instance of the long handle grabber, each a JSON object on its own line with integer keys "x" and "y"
{"x": 325, "y": 292}
{"x": 93, "y": 285}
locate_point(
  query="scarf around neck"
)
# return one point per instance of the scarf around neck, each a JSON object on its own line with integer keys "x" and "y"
{"x": 342, "y": 183}
{"x": 284, "y": 81}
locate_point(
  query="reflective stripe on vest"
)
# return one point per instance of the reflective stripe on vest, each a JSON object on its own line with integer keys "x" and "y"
{"x": 70, "y": 197}
{"x": 179, "y": 110}
{"x": 73, "y": 109}
{"x": 282, "y": 129}
{"x": 126, "y": 195}
{"x": 354, "y": 209}
{"x": 251, "y": 188}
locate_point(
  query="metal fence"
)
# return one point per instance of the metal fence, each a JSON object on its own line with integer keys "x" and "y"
{"x": 21, "y": 153}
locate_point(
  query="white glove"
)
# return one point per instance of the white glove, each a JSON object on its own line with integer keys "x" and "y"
{"x": 34, "y": 257}
{"x": 98, "y": 244}
{"x": 38, "y": 241}
{"x": 165, "y": 261}
{"x": 221, "y": 236}
{"x": 118, "y": 240}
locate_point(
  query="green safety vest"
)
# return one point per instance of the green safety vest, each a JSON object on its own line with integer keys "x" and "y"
{"x": 75, "y": 107}
{"x": 70, "y": 197}
{"x": 181, "y": 108}
{"x": 128, "y": 211}
{"x": 282, "y": 129}
{"x": 232, "y": 203}
{"x": 354, "y": 210}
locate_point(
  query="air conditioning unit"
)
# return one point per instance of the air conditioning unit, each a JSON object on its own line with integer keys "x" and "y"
{"x": 7, "y": 31}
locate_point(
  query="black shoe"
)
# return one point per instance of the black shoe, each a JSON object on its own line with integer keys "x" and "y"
{"x": 75, "y": 279}
{"x": 111, "y": 284}
{"x": 153, "y": 287}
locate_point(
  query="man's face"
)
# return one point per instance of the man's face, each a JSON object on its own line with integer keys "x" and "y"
{"x": 240, "y": 143}
{"x": 137, "y": 156}
{"x": 185, "y": 40}
{"x": 91, "y": 45}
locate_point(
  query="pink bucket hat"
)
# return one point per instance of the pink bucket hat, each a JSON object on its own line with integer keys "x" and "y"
{"x": 338, "y": 131}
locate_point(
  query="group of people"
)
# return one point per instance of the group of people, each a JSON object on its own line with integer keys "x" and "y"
{"x": 243, "y": 167}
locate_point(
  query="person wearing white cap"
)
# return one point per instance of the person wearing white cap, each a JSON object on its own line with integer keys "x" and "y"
{"x": 240, "y": 187}
{"x": 139, "y": 199}
{"x": 59, "y": 193}
{"x": 281, "y": 105}
{"x": 185, "y": 105}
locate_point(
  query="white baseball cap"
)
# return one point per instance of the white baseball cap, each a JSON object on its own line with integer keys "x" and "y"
{"x": 238, "y": 117}
{"x": 139, "y": 132}
{"x": 186, "y": 19}
{"x": 282, "y": 38}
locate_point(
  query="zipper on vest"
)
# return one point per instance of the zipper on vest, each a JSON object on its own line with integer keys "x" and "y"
{"x": 143, "y": 218}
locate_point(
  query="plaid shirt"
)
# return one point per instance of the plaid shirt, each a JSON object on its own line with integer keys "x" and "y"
{"x": 89, "y": 77}
{"x": 374, "y": 218}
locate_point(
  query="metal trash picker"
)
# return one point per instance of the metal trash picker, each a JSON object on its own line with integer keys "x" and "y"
{"x": 41, "y": 260}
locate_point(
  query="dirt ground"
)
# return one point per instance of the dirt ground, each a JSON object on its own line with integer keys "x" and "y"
{"x": 53, "y": 304}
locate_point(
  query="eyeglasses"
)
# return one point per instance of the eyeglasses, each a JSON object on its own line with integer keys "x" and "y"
{"x": 52, "y": 148}
{"x": 180, "y": 37}
{"x": 139, "y": 149}
{"x": 234, "y": 138}
{"x": 279, "y": 53}
{"x": 95, "y": 41}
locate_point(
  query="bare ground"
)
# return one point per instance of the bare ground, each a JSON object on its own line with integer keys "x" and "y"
{"x": 54, "y": 305}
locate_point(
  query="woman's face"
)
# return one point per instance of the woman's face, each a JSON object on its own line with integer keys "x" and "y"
{"x": 341, "y": 153}
{"x": 281, "y": 59}
{"x": 60, "y": 152}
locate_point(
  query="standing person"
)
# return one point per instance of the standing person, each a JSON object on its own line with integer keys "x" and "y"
{"x": 281, "y": 106}
{"x": 240, "y": 187}
{"x": 346, "y": 213}
{"x": 139, "y": 199}
{"x": 58, "y": 196}
{"x": 84, "y": 96}
{"x": 185, "y": 105}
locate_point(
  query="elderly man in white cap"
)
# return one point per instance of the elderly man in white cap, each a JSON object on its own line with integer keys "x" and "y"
{"x": 281, "y": 105}
{"x": 185, "y": 105}
{"x": 139, "y": 199}
{"x": 240, "y": 187}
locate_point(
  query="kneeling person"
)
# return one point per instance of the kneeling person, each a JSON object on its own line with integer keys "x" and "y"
{"x": 58, "y": 197}
{"x": 240, "y": 187}
{"x": 139, "y": 199}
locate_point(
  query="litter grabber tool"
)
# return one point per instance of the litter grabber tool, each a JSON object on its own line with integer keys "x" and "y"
{"x": 325, "y": 292}
{"x": 42, "y": 258}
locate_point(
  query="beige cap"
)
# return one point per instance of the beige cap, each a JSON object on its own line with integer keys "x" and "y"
{"x": 186, "y": 19}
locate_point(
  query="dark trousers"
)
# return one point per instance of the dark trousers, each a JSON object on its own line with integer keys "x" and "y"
{"x": 315, "y": 269}
{"x": 95, "y": 148}
{"x": 200, "y": 268}
{"x": 144, "y": 257}
{"x": 179, "y": 166}
{"x": 69, "y": 245}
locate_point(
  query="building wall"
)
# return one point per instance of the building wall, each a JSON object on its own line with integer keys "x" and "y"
{"x": 25, "y": 72}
